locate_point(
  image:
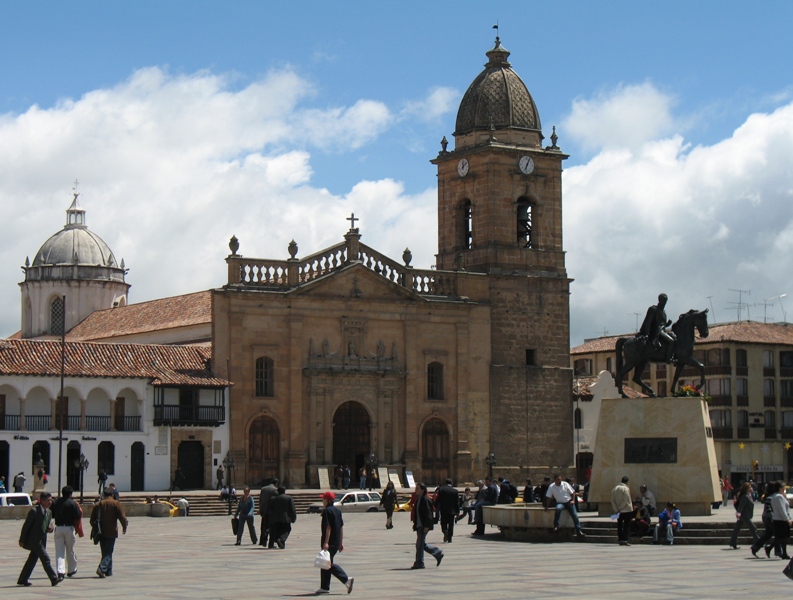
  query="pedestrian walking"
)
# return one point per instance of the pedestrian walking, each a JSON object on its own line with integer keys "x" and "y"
{"x": 423, "y": 523}
{"x": 332, "y": 540}
{"x": 33, "y": 538}
{"x": 68, "y": 525}
{"x": 105, "y": 518}
{"x": 744, "y": 511}
{"x": 388, "y": 499}
{"x": 245, "y": 511}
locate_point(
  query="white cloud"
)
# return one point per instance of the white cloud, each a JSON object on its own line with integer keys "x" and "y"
{"x": 627, "y": 117}
{"x": 439, "y": 102}
{"x": 692, "y": 222}
{"x": 172, "y": 166}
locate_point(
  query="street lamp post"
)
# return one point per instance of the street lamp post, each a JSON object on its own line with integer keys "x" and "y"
{"x": 228, "y": 463}
{"x": 490, "y": 461}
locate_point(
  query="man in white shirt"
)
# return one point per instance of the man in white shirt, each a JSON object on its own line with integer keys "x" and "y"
{"x": 562, "y": 494}
{"x": 647, "y": 499}
{"x": 622, "y": 506}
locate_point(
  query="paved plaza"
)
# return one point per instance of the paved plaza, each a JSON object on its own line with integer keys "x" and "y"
{"x": 196, "y": 558}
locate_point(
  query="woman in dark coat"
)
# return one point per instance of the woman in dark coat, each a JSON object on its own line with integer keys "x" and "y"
{"x": 744, "y": 511}
{"x": 389, "y": 500}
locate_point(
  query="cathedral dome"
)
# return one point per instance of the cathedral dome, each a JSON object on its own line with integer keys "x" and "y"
{"x": 74, "y": 253}
{"x": 497, "y": 99}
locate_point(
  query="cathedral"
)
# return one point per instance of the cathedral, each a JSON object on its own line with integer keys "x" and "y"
{"x": 349, "y": 357}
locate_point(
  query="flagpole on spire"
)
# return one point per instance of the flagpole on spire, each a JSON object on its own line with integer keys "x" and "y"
{"x": 496, "y": 27}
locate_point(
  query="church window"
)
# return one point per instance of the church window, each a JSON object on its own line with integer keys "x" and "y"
{"x": 525, "y": 232}
{"x": 57, "y": 314}
{"x": 264, "y": 377}
{"x": 435, "y": 381}
{"x": 468, "y": 225}
{"x": 107, "y": 457}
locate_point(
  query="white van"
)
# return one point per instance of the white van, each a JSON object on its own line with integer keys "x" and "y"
{"x": 15, "y": 499}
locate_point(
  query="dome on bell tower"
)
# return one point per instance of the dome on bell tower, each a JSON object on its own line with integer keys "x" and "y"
{"x": 498, "y": 101}
{"x": 73, "y": 274}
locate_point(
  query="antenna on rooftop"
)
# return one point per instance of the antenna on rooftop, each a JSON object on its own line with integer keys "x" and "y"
{"x": 782, "y": 306}
{"x": 740, "y": 305}
{"x": 712, "y": 310}
{"x": 637, "y": 320}
{"x": 765, "y": 304}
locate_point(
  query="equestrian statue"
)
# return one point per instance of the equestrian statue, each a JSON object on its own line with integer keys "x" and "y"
{"x": 654, "y": 343}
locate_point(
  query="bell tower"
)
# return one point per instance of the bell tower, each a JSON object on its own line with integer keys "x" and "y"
{"x": 500, "y": 213}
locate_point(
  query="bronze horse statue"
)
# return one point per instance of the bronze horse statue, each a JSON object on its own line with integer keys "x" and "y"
{"x": 635, "y": 353}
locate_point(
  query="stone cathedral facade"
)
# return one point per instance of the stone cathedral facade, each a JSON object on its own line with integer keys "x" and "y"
{"x": 347, "y": 352}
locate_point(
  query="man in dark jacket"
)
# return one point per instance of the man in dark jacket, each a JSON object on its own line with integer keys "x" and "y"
{"x": 422, "y": 525}
{"x": 448, "y": 507}
{"x": 33, "y": 537}
{"x": 282, "y": 515}
{"x": 265, "y": 495}
{"x": 106, "y": 515}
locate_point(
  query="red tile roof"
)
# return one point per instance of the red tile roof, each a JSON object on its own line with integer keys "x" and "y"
{"x": 742, "y": 332}
{"x": 155, "y": 315}
{"x": 161, "y": 365}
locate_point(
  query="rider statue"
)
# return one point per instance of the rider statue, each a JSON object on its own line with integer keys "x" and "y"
{"x": 654, "y": 329}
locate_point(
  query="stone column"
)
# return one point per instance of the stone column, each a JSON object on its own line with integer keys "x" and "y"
{"x": 112, "y": 414}
{"x": 53, "y": 413}
{"x": 83, "y": 402}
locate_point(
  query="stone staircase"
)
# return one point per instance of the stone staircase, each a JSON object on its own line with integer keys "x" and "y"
{"x": 209, "y": 504}
{"x": 699, "y": 534}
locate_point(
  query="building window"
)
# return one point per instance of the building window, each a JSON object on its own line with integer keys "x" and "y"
{"x": 743, "y": 418}
{"x": 525, "y": 237}
{"x": 742, "y": 386}
{"x": 578, "y": 418}
{"x": 787, "y": 419}
{"x": 610, "y": 364}
{"x": 786, "y": 388}
{"x": 57, "y": 317}
{"x": 786, "y": 360}
{"x": 718, "y": 357}
{"x": 768, "y": 359}
{"x": 435, "y": 381}
{"x": 721, "y": 418}
{"x": 740, "y": 358}
{"x": 662, "y": 389}
{"x": 530, "y": 357}
{"x": 106, "y": 457}
{"x": 468, "y": 225}
{"x": 583, "y": 366}
{"x": 718, "y": 387}
{"x": 768, "y": 388}
{"x": 264, "y": 377}
{"x": 770, "y": 419}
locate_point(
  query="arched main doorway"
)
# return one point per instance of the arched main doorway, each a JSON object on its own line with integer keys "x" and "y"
{"x": 435, "y": 452}
{"x": 351, "y": 436}
{"x": 264, "y": 456}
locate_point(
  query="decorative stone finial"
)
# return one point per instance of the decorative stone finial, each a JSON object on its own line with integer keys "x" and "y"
{"x": 234, "y": 245}
{"x": 407, "y": 256}
{"x": 292, "y": 249}
{"x": 554, "y": 137}
{"x": 444, "y": 144}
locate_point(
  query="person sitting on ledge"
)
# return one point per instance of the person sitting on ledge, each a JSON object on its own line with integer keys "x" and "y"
{"x": 668, "y": 520}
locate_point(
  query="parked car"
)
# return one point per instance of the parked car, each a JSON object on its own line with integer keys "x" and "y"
{"x": 352, "y": 502}
{"x": 15, "y": 499}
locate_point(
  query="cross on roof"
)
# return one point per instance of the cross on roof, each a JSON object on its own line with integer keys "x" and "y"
{"x": 352, "y": 221}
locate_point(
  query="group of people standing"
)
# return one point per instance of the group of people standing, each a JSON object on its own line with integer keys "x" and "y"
{"x": 277, "y": 512}
{"x": 64, "y": 519}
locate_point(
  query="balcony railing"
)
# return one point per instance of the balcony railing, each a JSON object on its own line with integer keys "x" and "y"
{"x": 743, "y": 433}
{"x": 176, "y": 415}
{"x": 769, "y": 433}
{"x": 72, "y": 423}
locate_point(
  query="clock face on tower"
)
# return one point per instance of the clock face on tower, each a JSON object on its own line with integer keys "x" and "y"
{"x": 462, "y": 167}
{"x": 526, "y": 165}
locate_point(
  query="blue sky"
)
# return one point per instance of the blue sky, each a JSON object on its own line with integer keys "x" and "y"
{"x": 187, "y": 122}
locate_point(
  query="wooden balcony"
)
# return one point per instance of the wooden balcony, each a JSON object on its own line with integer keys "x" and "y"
{"x": 174, "y": 415}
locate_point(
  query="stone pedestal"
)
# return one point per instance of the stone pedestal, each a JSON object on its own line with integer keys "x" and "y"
{"x": 665, "y": 444}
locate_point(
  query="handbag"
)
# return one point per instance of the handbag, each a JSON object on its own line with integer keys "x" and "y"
{"x": 322, "y": 561}
{"x": 235, "y": 525}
